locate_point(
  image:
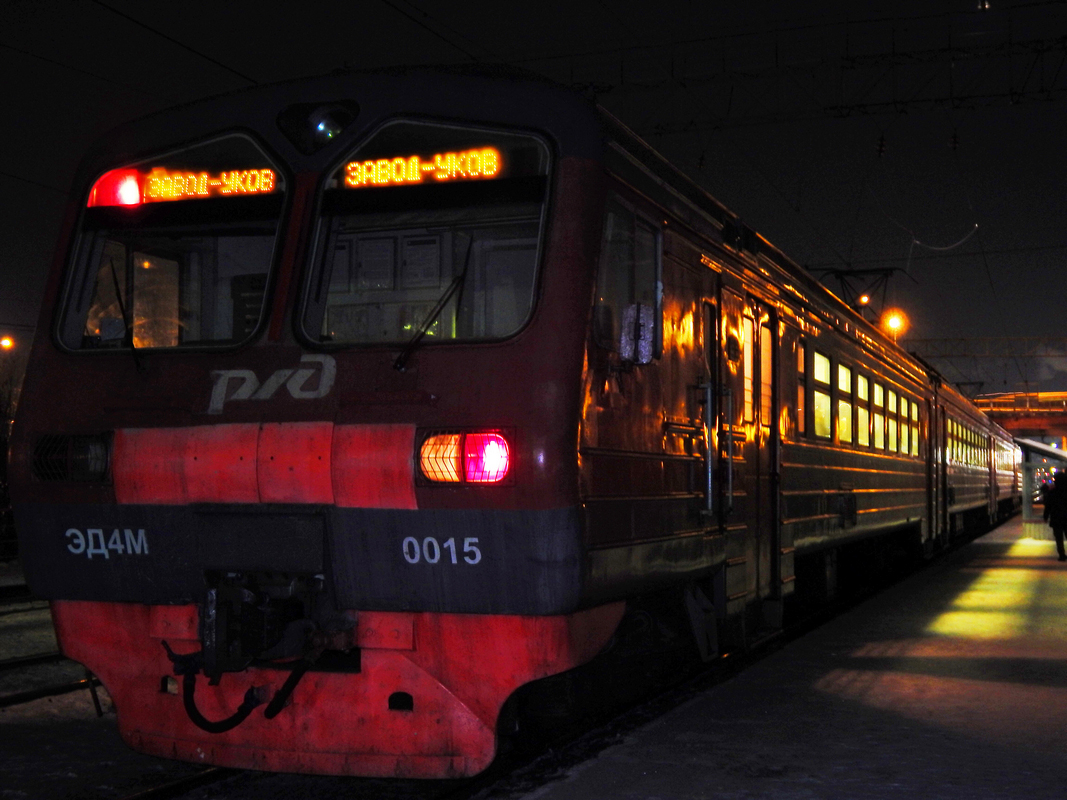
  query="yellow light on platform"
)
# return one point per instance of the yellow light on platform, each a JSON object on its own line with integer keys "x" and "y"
{"x": 894, "y": 322}
{"x": 7, "y": 343}
{"x": 865, "y": 299}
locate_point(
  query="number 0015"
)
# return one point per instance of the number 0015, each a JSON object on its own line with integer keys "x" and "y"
{"x": 431, "y": 551}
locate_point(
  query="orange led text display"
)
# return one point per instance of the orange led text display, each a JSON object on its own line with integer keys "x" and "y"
{"x": 482, "y": 162}
{"x": 160, "y": 184}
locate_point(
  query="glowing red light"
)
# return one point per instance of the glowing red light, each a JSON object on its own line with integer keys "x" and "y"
{"x": 119, "y": 187}
{"x": 486, "y": 457}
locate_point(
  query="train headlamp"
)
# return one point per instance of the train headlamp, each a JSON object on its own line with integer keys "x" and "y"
{"x": 479, "y": 457}
{"x": 60, "y": 457}
{"x": 312, "y": 126}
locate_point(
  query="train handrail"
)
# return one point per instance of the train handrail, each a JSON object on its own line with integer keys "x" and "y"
{"x": 729, "y": 395}
{"x": 710, "y": 453}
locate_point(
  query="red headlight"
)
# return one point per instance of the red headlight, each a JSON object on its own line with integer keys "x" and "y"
{"x": 119, "y": 187}
{"x": 465, "y": 457}
{"x": 485, "y": 457}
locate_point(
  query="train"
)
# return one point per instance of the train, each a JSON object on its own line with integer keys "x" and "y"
{"x": 360, "y": 403}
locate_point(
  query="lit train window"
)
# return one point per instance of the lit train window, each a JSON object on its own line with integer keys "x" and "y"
{"x": 766, "y": 362}
{"x": 821, "y": 397}
{"x": 802, "y": 388}
{"x": 879, "y": 418}
{"x": 905, "y": 439}
{"x": 176, "y": 251}
{"x": 431, "y": 231}
{"x": 891, "y": 420}
{"x": 748, "y": 334}
{"x": 863, "y": 418}
{"x": 844, "y": 404}
{"x": 627, "y": 280}
{"x": 915, "y": 429}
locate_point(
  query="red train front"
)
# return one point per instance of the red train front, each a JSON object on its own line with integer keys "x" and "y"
{"x": 303, "y": 417}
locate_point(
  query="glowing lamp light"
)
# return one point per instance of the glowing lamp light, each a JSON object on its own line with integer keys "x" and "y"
{"x": 486, "y": 457}
{"x": 7, "y": 343}
{"x": 119, "y": 187}
{"x": 465, "y": 458}
{"x": 439, "y": 458}
{"x": 865, "y": 299}
{"x": 895, "y": 322}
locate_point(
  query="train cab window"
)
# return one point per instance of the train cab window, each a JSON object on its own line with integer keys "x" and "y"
{"x": 822, "y": 417}
{"x": 801, "y": 388}
{"x": 627, "y": 316}
{"x": 844, "y": 404}
{"x": 879, "y": 416}
{"x": 748, "y": 334}
{"x": 891, "y": 420}
{"x": 176, "y": 251}
{"x": 428, "y": 231}
{"x": 863, "y": 414}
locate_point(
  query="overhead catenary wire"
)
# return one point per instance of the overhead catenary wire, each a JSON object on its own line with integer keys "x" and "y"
{"x": 721, "y": 37}
{"x": 176, "y": 42}
{"x": 32, "y": 182}
{"x": 410, "y": 16}
{"x": 79, "y": 70}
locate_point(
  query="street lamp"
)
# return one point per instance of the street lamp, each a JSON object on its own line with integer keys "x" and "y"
{"x": 894, "y": 322}
{"x": 7, "y": 343}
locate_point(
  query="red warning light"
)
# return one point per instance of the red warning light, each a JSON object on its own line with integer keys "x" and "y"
{"x": 119, "y": 187}
{"x": 465, "y": 457}
{"x": 486, "y": 457}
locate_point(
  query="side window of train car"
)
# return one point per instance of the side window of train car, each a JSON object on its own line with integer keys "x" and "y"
{"x": 748, "y": 334}
{"x": 766, "y": 366}
{"x": 891, "y": 420}
{"x": 176, "y": 251}
{"x": 821, "y": 396}
{"x": 627, "y": 317}
{"x": 863, "y": 418}
{"x": 904, "y": 428}
{"x": 915, "y": 429}
{"x": 879, "y": 417}
{"x": 844, "y": 404}
{"x": 802, "y": 388}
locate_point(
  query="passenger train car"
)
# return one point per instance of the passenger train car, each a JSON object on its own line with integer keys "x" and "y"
{"x": 360, "y": 402}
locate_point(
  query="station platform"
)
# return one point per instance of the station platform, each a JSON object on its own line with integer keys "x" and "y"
{"x": 950, "y": 684}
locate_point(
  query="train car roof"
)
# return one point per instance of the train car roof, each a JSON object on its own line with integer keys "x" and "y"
{"x": 493, "y": 94}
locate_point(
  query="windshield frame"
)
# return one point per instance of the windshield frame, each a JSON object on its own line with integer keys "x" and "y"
{"x": 77, "y": 269}
{"x": 315, "y": 259}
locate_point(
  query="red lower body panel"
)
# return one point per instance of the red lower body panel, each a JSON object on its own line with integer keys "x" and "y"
{"x": 458, "y": 669}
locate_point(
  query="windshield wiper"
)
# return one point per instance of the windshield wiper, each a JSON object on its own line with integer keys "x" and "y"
{"x": 128, "y": 337}
{"x": 424, "y": 326}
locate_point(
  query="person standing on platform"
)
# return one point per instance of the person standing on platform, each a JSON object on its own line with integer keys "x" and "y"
{"x": 1056, "y": 510}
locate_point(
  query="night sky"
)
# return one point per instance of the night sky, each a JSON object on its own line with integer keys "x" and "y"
{"x": 853, "y": 136}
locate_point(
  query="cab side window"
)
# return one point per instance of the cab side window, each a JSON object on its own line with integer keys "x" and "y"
{"x": 627, "y": 313}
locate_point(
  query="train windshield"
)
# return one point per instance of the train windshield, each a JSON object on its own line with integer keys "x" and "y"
{"x": 429, "y": 230}
{"x": 176, "y": 251}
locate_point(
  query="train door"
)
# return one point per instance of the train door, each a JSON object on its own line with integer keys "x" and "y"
{"x": 933, "y": 479}
{"x": 750, "y": 441}
{"x": 765, "y": 460}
